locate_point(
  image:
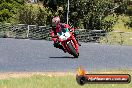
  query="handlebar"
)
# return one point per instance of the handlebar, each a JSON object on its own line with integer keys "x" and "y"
{"x": 55, "y": 36}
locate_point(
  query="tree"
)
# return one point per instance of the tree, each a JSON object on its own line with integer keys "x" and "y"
{"x": 32, "y": 15}
{"x": 89, "y": 13}
{"x": 8, "y": 9}
{"x": 52, "y": 5}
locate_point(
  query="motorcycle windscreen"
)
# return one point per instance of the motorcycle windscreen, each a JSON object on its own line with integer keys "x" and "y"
{"x": 63, "y": 34}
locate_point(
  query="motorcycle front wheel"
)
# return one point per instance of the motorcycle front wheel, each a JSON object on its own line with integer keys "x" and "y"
{"x": 72, "y": 50}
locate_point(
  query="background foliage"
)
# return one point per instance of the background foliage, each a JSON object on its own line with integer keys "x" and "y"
{"x": 8, "y": 9}
{"x": 88, "y": 14}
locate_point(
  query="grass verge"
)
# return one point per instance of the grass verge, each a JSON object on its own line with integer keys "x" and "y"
{"x": 122, "y": 34}
{"x": 48, "y": 80}
{"x": 119, "y": 38}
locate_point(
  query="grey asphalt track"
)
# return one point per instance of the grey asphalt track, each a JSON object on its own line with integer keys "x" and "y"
{"x": 18, "y": 55}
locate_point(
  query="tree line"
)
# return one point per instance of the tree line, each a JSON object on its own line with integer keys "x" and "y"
{"x": 89, "y": 14}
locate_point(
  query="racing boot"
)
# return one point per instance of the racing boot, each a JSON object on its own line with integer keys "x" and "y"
{"x": 78, "y": 42}
{"x": 57, "y": 45}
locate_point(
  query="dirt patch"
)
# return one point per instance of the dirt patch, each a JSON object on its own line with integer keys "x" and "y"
{"x": 29, "y": 74}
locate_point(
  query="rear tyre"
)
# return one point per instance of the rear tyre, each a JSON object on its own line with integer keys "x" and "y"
{"x": 72, "y": 50}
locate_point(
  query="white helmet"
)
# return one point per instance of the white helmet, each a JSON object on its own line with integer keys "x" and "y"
{"x": 55, "y": 21}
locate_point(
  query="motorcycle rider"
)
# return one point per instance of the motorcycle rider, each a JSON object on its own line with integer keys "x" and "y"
{"x": 56, "y": 26}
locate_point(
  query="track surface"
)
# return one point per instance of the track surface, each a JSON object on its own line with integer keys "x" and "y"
{"x": 39, "y": 55}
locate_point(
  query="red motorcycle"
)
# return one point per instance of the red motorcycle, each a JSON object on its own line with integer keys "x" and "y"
{"x": 68, "y": 41}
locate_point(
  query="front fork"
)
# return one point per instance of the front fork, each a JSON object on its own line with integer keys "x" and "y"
{"x": 75, "y": 42}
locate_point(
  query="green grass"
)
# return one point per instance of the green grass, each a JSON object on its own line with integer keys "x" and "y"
{"x": 65, "y": 81}
{"x": 117, "y": 36}
{"x": 120, "y": 25}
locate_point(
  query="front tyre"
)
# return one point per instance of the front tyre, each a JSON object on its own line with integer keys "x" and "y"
{"x": 72, "y": 50}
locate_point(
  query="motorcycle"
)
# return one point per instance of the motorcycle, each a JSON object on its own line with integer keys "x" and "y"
{"x": 68, "y": 41}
